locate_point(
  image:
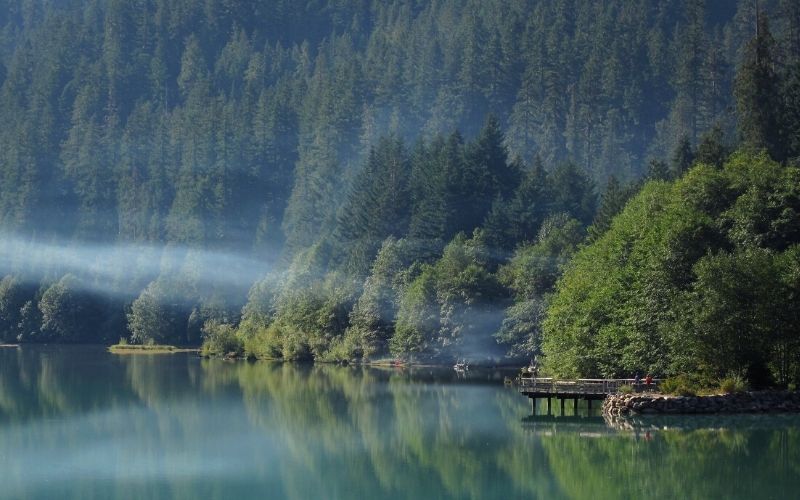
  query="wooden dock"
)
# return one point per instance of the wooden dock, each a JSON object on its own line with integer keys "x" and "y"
{"x": 589, "y": 389}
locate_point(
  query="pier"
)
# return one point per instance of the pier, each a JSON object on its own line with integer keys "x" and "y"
{"x": 589, "y": 389}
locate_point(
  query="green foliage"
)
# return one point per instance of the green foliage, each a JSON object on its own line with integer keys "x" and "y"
{"x": 449, "y": 307}
{"x": 612, "y": 202}
{"x": 531, "y": 275}
{"x": 682, "y": 157}
{"x": 220, "y": 340}
{"x": 373, "y": 317}
{"x": 516, "y": 220}
{"x": 263, "y": 343}
{"x": 692, "y": 276}
{"x": 418, "y": 315}
{"x": 378, "y": 206}
{"x": 733, "y": 383}
{"x": 712, "y": 149}
{"x": 680, "y": 385}
{"x": 157, "y": 316}
{"x": 203, "y": 126}
{"x": 573, "y": 193}
{"x": 13, "y": 297}
{"x": 657, "y": 170}
{"x": 67, "y": 313}
{"x": 757, "y": 94}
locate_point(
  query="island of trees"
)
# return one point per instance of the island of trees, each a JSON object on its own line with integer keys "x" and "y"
{"x": 611, "y": 185}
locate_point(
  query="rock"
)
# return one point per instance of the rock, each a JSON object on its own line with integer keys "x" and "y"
{"x": 750, "y": 402}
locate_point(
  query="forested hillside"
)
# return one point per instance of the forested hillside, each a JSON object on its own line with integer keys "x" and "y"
{"x": 385, "y": 177}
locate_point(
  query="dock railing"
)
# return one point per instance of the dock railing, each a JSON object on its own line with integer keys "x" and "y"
{"x": 593, "y": 386}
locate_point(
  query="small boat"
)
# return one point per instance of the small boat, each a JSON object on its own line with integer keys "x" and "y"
{"x": 461, "y": 366}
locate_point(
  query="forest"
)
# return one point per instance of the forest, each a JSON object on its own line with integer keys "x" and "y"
{"x": 610, "y": 185}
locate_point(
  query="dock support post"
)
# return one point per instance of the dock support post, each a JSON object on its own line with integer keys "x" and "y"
{"x": 575, "y": 406}
{"x": 589, "y": 400}
{"x": 548, "y": 405}
{"x": 562, "y": 407}
{"x": 533, "y": 406}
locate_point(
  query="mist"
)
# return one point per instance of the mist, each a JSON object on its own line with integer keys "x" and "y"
{"x": 122, "y": 270}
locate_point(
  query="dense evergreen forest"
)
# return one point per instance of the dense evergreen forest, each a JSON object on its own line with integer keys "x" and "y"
{"x": 609, "y": 183}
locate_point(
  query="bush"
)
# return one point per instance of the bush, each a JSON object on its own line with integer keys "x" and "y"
{"x": 625, "y": 389}
{"x": 681, "y": 385}
{"x": 733, "y": 383}
{"x": 220, "y": 340}
{"x": 263, "y": 343}
{"x": 123, "y": 341}
{"x": 343, "y": 349}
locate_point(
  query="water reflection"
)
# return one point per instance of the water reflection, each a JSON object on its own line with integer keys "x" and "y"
{"x": 78, "y": 423}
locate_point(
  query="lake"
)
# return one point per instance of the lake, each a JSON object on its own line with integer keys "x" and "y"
{"x": 77, "y": 422}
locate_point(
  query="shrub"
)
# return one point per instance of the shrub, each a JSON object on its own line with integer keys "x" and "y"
{"x": 625, "y": 389}
{"x": 220, "y": 340}
{"x": 263, "y": 343}
{"x": 733, "y": 383}
{"x": 344, "y": 348}
{"x": 681, "y": 385}
{"x": 123, "y": 341}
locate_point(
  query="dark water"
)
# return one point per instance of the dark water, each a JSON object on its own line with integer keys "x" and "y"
{"x": 80, "y": 423}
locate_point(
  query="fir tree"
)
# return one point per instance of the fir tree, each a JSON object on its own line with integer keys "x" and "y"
{"x": 757, "y": 93}
{"x": 682, "y": 157}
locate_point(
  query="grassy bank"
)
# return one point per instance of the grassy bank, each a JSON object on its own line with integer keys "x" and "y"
{"x": 148, "y": 349}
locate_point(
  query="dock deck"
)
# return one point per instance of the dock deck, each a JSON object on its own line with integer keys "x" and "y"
{"x": 589, "y": 389}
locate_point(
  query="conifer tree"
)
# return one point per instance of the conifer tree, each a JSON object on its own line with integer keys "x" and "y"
{"x": 682, "y": 157}
{"x": 711, "y": 150}
{"x": 657, "y": 170}
{"x": 611, "y": 203}
{"x": 757, "y": 93}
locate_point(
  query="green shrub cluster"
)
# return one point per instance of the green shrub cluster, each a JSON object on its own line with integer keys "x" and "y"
{"x": 733, "y": 383}
{"x": 220, "y": 340}
{"x": 681, "y": 385}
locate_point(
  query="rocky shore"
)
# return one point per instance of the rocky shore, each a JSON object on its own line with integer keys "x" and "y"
{"x": 744, "y": 402}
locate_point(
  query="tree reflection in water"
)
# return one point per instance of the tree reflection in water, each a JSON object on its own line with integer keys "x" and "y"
{"x": 79, "y": 423}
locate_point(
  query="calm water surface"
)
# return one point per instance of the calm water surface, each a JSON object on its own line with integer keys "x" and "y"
{"x": 81, "y": 423}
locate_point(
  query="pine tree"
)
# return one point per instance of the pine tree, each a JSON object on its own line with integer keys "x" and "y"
{"x": 757, "y": 93}
{"x": 682, "y": 157}
{"x": 533, "y": 201}
{"x": 379, "y": 203}
{"x": 657, "y": 170}
{"x": 712, "y": 150}
{"x": 611, "y": 203}
{"x": 791, "y": 111}
{"x": 573, "y": 193}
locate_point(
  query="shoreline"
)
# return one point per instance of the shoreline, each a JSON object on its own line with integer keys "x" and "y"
{"x": 373, "y": 364}
{"x": 150, "y": 349}
{"x": 622, "y": 405}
